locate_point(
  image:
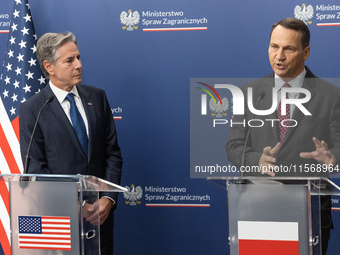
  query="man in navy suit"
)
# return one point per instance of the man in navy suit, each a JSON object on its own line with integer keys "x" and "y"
{"x": 57, "y": 148}
{"x": 314, "y": 141}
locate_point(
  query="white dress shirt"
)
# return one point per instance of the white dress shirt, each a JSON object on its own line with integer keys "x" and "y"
{"x": 61, "y": 96}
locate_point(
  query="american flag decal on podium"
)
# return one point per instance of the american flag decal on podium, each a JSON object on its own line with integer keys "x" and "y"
{"x": 21, "y": 78}
{"x": 44, "y": 233}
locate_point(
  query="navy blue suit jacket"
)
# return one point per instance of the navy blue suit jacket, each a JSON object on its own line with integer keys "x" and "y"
{"x": 56, "y": 148}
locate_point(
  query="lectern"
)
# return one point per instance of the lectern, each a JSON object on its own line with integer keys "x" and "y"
{"x": 270, "y": 215}
{"x": 47, "y": 216}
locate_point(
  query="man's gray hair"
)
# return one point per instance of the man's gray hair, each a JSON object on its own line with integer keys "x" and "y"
{"x": 48, "y": 45}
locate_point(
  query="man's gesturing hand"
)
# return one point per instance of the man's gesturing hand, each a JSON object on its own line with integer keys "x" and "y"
{"x": 267, "y": 159}
{"x": 321, "y": 153}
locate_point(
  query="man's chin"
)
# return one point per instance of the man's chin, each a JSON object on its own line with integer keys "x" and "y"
{"x": 281, "y": 73}
{"x": 77, "y": 81}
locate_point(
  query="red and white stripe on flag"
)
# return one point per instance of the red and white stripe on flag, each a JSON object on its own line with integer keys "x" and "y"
{"x": 267, "y": 238}
{"x": 10, "y": 163}
{"x": 20, "y": 79}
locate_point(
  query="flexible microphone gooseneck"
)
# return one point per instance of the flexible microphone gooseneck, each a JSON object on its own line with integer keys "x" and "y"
{"x": 27, "y": 158}
{"x": 260, "y": 97}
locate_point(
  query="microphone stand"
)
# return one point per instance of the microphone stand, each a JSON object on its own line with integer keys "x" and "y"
{"x": 260, "y": 97}
{"x": 28, "y": 158}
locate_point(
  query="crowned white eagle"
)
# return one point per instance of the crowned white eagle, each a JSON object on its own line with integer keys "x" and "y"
{"x": 129, "y": 19}
{"x": 133, "y": 195}
{"x": 304, "y": 13}
{"x": 217, "y": 108}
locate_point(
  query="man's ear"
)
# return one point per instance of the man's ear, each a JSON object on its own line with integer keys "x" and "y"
{"x": 306, "y": 53}
{"x": 48, "y": 67}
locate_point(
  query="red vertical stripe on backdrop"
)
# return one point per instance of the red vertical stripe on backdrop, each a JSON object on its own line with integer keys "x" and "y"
{"x": 268, "y": 247}
{"x": 7, "y": 151}
{"x": 6, "y": 247}
{"x": 15, "y": 125}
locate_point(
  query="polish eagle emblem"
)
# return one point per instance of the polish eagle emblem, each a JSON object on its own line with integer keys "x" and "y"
{"x": 304, "y": 13}
{"x": 218, "y": 109}
{"x": 133, "y": 195}
{"x": 129, "y": 20}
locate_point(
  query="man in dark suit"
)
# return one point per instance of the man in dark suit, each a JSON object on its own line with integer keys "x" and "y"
{"x": 310, "y": 140}
{"x": 76, "y": 133}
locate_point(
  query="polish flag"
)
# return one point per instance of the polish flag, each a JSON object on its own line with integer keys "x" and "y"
{"x": 267, "y": 238}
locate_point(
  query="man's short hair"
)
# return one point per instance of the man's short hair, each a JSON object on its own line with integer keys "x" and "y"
{"x": 48, "y": 45}
{"x": 297, "y": 25}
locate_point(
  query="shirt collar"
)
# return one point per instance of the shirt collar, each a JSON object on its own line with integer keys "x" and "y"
{"x": 297, "y": 82}
{"x": 61, "y": 94}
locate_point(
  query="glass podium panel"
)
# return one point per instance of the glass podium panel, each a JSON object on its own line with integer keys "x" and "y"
{"x": 44, "y": 218}
{"x": 48, "y": 216}
{"x": 271, "y": 210}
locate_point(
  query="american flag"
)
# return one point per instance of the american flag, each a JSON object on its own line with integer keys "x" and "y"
{"x": 46, "y": 233}
{"x": 21, "y": 78}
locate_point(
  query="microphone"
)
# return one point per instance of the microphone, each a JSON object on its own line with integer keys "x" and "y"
{"x": 27, "y": 158}
{"x": 260, "y": 97}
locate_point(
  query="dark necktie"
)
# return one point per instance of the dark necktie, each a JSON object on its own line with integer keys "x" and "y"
{"x": 78, "y": 122}
{"x": 283, "y": 118}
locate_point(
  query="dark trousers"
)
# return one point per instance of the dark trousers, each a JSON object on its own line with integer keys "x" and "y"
{"x": 106, "y": 236}
{"x": 326, "y": 221}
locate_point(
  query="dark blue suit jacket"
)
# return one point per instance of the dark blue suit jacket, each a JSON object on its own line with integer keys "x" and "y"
{"x": 56, "y": 148}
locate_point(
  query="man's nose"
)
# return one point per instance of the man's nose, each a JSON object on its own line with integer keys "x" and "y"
{"x": 280, "y": 54}
{"x": 78, "y": 63}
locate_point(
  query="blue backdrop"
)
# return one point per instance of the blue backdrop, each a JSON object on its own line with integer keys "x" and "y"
{"x": 146, "y": 75}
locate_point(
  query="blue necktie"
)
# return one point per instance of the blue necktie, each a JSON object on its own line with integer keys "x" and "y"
{"x": 78, "y": 122}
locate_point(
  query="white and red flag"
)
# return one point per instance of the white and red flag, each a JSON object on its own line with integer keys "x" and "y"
{"x": 268, "y": 238}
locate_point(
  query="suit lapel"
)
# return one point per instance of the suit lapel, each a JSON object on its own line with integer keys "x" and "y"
{"x": 308, "y": 84}
{"x": 57, "y": 113}
{"x": 268, "y": 101}
{"x": 90, "y": 114}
